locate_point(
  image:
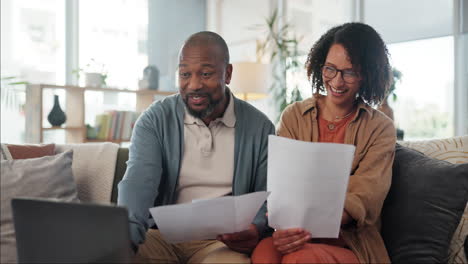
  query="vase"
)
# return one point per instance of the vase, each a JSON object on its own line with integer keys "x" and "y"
{"x": 56, "y": 116}
{"x": 151, "y": 74}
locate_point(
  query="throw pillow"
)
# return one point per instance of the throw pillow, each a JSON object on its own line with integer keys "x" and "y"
{"x": 423, "y": 207}
{"x": 31, "y": 151}
{"x": 46, "y": 177}
{"x": 453, "y": 150}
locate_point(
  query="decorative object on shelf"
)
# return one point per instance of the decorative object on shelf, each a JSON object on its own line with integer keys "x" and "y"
{"x": 282, "y": 46}
{"x": 150, "y": 78}
{"x": 94, "y": 72}
{"x": 250, "y": 80}
{"x": 56, "y": 116}
{"x": 95, "y": 79}
{"x": 91, "y": 132}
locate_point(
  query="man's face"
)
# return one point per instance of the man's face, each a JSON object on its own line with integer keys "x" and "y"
{"x": 203, "y": 76}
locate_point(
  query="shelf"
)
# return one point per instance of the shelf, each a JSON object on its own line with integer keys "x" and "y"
{"x": 118, "y": 141}
{"x": 63, "y": 128}
{"x": 106, "y": 89}
{"x": 74, "y": 108}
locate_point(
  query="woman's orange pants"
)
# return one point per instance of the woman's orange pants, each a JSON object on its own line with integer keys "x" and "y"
{"x": 265, "y": 252}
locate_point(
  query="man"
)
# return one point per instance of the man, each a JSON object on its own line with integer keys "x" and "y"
{"x": 200, "y": 143}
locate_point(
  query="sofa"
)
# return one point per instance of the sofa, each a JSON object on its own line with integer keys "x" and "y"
{"x": 424, "y": 218}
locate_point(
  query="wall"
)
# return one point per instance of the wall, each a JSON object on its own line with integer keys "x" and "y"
{"x": 170, "y": 22}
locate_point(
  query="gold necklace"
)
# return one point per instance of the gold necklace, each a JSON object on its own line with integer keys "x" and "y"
{"x": 345, "y": 116}
{"x": 341, "y": 117}
{"x": 331, "y": 125}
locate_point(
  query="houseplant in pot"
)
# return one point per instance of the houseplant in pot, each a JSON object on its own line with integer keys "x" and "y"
{"x": 280, "y": 46}
{"x": 384, "y": 107}
{"x": 95, "y": 74}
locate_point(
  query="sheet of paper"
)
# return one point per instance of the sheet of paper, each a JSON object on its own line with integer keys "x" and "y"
{"x": 308, "y": 183}
{"x": 205, "y": 219}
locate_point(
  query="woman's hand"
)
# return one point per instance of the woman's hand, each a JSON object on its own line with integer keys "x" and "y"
{"x": 289, "y": 240}
{"x": 345, "y": 219}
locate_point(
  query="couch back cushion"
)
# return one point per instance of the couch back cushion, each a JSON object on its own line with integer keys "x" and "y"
{"x": 423, "y": 208}
{"x": 93, "y": 169}
{"x": 46, "y": 177}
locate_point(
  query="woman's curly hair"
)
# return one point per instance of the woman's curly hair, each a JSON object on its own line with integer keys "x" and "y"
{"x": 368, "y": 54}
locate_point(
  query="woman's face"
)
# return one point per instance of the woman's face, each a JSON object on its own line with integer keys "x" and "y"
{"x": 341, "y": 80}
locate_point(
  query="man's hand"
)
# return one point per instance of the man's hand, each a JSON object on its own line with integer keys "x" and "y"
{"x": 244, "y": 241}
{"x": 289, "y": 240}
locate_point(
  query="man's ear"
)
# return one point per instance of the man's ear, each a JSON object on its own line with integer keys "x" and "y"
{"x": 228, "y": 73}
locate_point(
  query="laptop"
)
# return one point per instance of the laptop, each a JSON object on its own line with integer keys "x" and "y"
{"x": 50, "y": 231}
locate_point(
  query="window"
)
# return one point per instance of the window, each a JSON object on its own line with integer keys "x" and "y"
{"x": 33, "y": 50}
{"x": 424, "y": 105}
{"x": 112, "y": 39}
{"x": 114, "y": 44}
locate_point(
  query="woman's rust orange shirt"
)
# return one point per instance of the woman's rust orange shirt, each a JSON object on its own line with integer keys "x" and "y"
{"x": 374, "y": 136}
{"x": 333, "y": 132}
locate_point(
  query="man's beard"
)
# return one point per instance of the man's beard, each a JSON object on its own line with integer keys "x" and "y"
{"x": 212, "y": 104}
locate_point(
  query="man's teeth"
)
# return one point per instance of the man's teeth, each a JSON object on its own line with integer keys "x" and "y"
{"x": 337, "y": 91}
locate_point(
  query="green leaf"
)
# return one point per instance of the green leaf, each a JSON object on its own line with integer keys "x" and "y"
{"x": 9, "y": 78}
{"x": 17, "y": 83}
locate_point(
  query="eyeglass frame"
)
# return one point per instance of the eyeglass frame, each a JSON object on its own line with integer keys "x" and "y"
{"x": 343, "y": 72}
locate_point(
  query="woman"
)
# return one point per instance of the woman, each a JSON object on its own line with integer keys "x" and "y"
{"x": 349, "y": 64}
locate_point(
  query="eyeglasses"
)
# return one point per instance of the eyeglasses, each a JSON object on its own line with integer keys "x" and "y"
{"x": 349, "y": 76}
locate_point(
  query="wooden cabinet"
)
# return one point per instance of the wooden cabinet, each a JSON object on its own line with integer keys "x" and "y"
{"x": 74, "y": 108}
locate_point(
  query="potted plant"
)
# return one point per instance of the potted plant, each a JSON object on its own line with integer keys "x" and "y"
{"x": 384, "y": 107}
{"x": 280, "y": 45}
{"x": 95, "y": 74}
{"x": 12, "y": 92}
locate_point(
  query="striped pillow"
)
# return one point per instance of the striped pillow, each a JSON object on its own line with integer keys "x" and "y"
{"x": 453, "y": 150}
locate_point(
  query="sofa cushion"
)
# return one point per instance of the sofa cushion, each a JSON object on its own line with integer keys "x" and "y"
{"x": 46, "y": 177}
{"x": 453, "y": 150}
{"x": 423, "y": 207}
{"x": 93, "y": 169}
{"x": 31, "y": 151}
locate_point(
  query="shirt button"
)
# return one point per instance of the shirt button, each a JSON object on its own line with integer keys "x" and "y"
{"x": 207, "y": 135}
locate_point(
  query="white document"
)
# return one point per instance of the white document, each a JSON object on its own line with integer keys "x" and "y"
{"x": 308, "y": 183}
{"x": 205, "y": 219}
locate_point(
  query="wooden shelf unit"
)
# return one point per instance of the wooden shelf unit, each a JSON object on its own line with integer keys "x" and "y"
{"x": 74, "y": 108}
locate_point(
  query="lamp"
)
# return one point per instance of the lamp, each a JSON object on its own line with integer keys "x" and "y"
{"x": 250, "y": 80}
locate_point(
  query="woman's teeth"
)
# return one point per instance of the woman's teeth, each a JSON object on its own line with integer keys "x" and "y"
{"x": 337, "y": 91}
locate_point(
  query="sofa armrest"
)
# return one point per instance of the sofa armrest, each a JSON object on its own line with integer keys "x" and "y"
{"x": 120, "y": 168}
